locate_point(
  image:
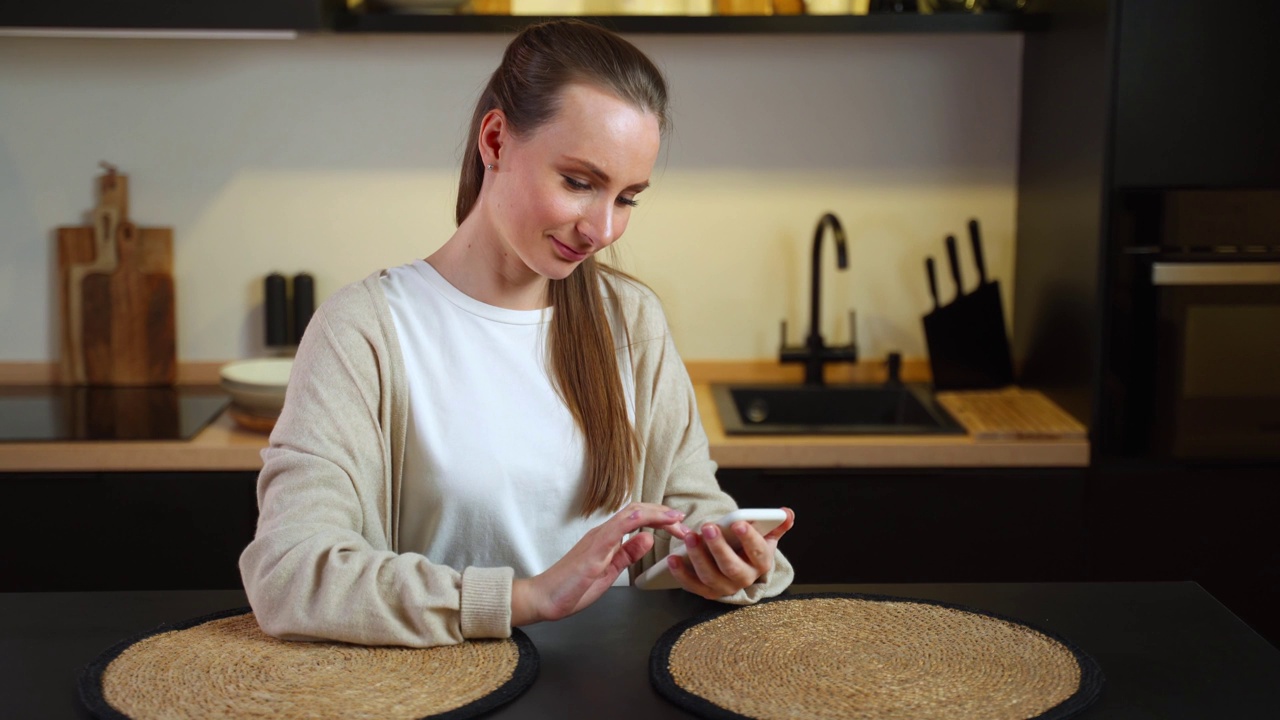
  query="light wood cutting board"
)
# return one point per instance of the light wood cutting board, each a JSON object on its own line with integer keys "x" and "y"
{"x": 117, "y": 296}
{"x": 1011, "y": 414}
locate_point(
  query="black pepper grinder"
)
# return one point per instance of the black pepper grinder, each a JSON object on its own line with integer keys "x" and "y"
{"x": 304, "y": 304}
{"x": 275, "y": 296}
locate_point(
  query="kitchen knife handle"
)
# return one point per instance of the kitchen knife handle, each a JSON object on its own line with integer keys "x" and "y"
{"x": 976, "y": 238}
{"x": 933, "y": 280}
{"x": 953, "y": 257}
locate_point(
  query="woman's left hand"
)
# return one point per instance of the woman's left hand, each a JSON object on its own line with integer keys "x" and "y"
{"x": 713, "y": 569}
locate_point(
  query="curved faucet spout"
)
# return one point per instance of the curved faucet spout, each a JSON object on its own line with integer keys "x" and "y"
{"x": 837, "y": 230}
{"x": 815, "y": 280}
{"x": 815, "y": 353}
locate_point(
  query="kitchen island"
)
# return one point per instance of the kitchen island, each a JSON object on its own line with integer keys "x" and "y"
{"x": 1167, "y": 650}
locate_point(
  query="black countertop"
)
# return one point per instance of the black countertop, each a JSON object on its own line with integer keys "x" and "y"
{"x": 1168, "y": 650}
{"x": 59, "y": 413}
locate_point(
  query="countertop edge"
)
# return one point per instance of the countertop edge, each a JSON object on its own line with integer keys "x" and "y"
{"x": 225, "y": 447}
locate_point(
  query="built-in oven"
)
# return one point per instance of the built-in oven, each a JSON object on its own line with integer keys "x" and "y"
{"x": 1193, "y": 356}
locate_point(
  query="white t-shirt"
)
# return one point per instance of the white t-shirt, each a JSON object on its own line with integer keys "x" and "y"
{"x": 494, "y": 462}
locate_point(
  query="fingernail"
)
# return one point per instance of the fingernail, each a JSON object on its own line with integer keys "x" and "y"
{"x": 675, "y": 514}
{"x": 711, "y": 531}
{"x": 685, "y": 529}
{"x": 692, "y": 540}
{"x": 740, "y": 528}
{"x": 634, "y": 516}
{"x": 673, "y": 562}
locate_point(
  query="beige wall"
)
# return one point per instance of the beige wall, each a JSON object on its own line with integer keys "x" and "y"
{"x": 337, "y": 155}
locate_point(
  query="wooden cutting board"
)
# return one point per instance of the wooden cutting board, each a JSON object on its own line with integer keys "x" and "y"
{"x": 117, "y": 296}
{"x": 1010, "y": 414}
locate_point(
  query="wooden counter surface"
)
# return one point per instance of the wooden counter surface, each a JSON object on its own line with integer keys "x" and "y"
{"x": 224, "y": 446}
{"x": 882, "y": 451}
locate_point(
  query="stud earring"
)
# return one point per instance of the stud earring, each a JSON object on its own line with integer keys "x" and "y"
{"x": 489, "y": 167}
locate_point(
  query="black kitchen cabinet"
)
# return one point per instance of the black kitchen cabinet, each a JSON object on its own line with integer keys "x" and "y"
{"x": 1195, "y": 96}
{"x": 125, "y": 531}
{"x": 296, "y": 15}
{"x": 1214, "y": 525}
{"x": 1121, "y": 97}
{"x": 948, "y": 525}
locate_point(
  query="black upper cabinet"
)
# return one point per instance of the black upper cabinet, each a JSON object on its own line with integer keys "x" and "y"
{"x": 281, "y": 15}
{"x": 1196, "y": 100}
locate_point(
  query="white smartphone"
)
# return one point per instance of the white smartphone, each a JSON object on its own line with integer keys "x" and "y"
{"x": 659, "y": 576}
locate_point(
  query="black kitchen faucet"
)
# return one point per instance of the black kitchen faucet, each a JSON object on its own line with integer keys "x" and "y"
{"x": 815, "y": 353}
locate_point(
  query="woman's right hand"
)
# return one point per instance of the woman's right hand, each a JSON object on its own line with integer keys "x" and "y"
{"x": 592, "y": 565}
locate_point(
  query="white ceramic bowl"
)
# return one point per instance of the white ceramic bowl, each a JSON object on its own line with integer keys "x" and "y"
{"x": 257, "y": 386}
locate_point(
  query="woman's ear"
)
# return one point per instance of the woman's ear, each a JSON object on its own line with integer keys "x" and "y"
{"x": 494, "y": 133}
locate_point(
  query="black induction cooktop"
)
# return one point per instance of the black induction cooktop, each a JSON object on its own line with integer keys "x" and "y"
{"x": 62, "y": 412}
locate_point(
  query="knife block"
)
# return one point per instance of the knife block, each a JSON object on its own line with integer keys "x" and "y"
{"x": 967, "y": 342}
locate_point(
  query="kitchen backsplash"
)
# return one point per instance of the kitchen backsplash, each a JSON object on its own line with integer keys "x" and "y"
{"x": 338, "y": 155}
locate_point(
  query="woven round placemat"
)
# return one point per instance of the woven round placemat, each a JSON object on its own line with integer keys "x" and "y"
{"x": 224, "y": 666}
{"x": 872, "y": 657}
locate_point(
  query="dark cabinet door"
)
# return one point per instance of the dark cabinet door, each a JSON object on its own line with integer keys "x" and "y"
{"x": 166, "y": 14}
{"x": 924, "y": 526}
{"x": 1196, "y": 100}
{"x": 125, "y": 531}
{"x": 1214, "y": 525}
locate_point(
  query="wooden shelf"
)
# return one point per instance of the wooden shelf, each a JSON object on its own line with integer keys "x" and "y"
{"x": 705, "y": 25}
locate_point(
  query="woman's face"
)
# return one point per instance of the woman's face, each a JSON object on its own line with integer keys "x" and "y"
{"x": 565, "y": 191}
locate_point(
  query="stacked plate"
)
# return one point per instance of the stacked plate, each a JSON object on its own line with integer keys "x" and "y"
{"x": 257, "y": 390}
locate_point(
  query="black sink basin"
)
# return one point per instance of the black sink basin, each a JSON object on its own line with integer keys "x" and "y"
{"x": 831, "y": 410}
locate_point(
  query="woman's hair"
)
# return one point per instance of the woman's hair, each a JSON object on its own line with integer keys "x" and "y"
{"x": 527, "y": 86}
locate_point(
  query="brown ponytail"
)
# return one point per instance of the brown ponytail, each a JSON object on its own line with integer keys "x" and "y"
{"x": 536, "y": 66}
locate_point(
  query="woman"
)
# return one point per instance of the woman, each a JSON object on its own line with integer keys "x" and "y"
{"x": 475, "y": 441}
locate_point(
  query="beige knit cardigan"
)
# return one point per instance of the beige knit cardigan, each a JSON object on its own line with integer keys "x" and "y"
{"x": 326, "y": 563}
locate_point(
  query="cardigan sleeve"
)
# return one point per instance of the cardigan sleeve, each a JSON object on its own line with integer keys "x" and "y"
{"x": 677, "y": 467}
{"x": 321, "y": 565}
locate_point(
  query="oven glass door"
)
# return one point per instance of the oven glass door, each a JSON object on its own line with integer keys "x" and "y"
{"x": 1218, "y": 360}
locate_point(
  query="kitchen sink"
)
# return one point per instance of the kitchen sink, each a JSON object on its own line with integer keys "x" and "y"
{"x": 888, "y": 409}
